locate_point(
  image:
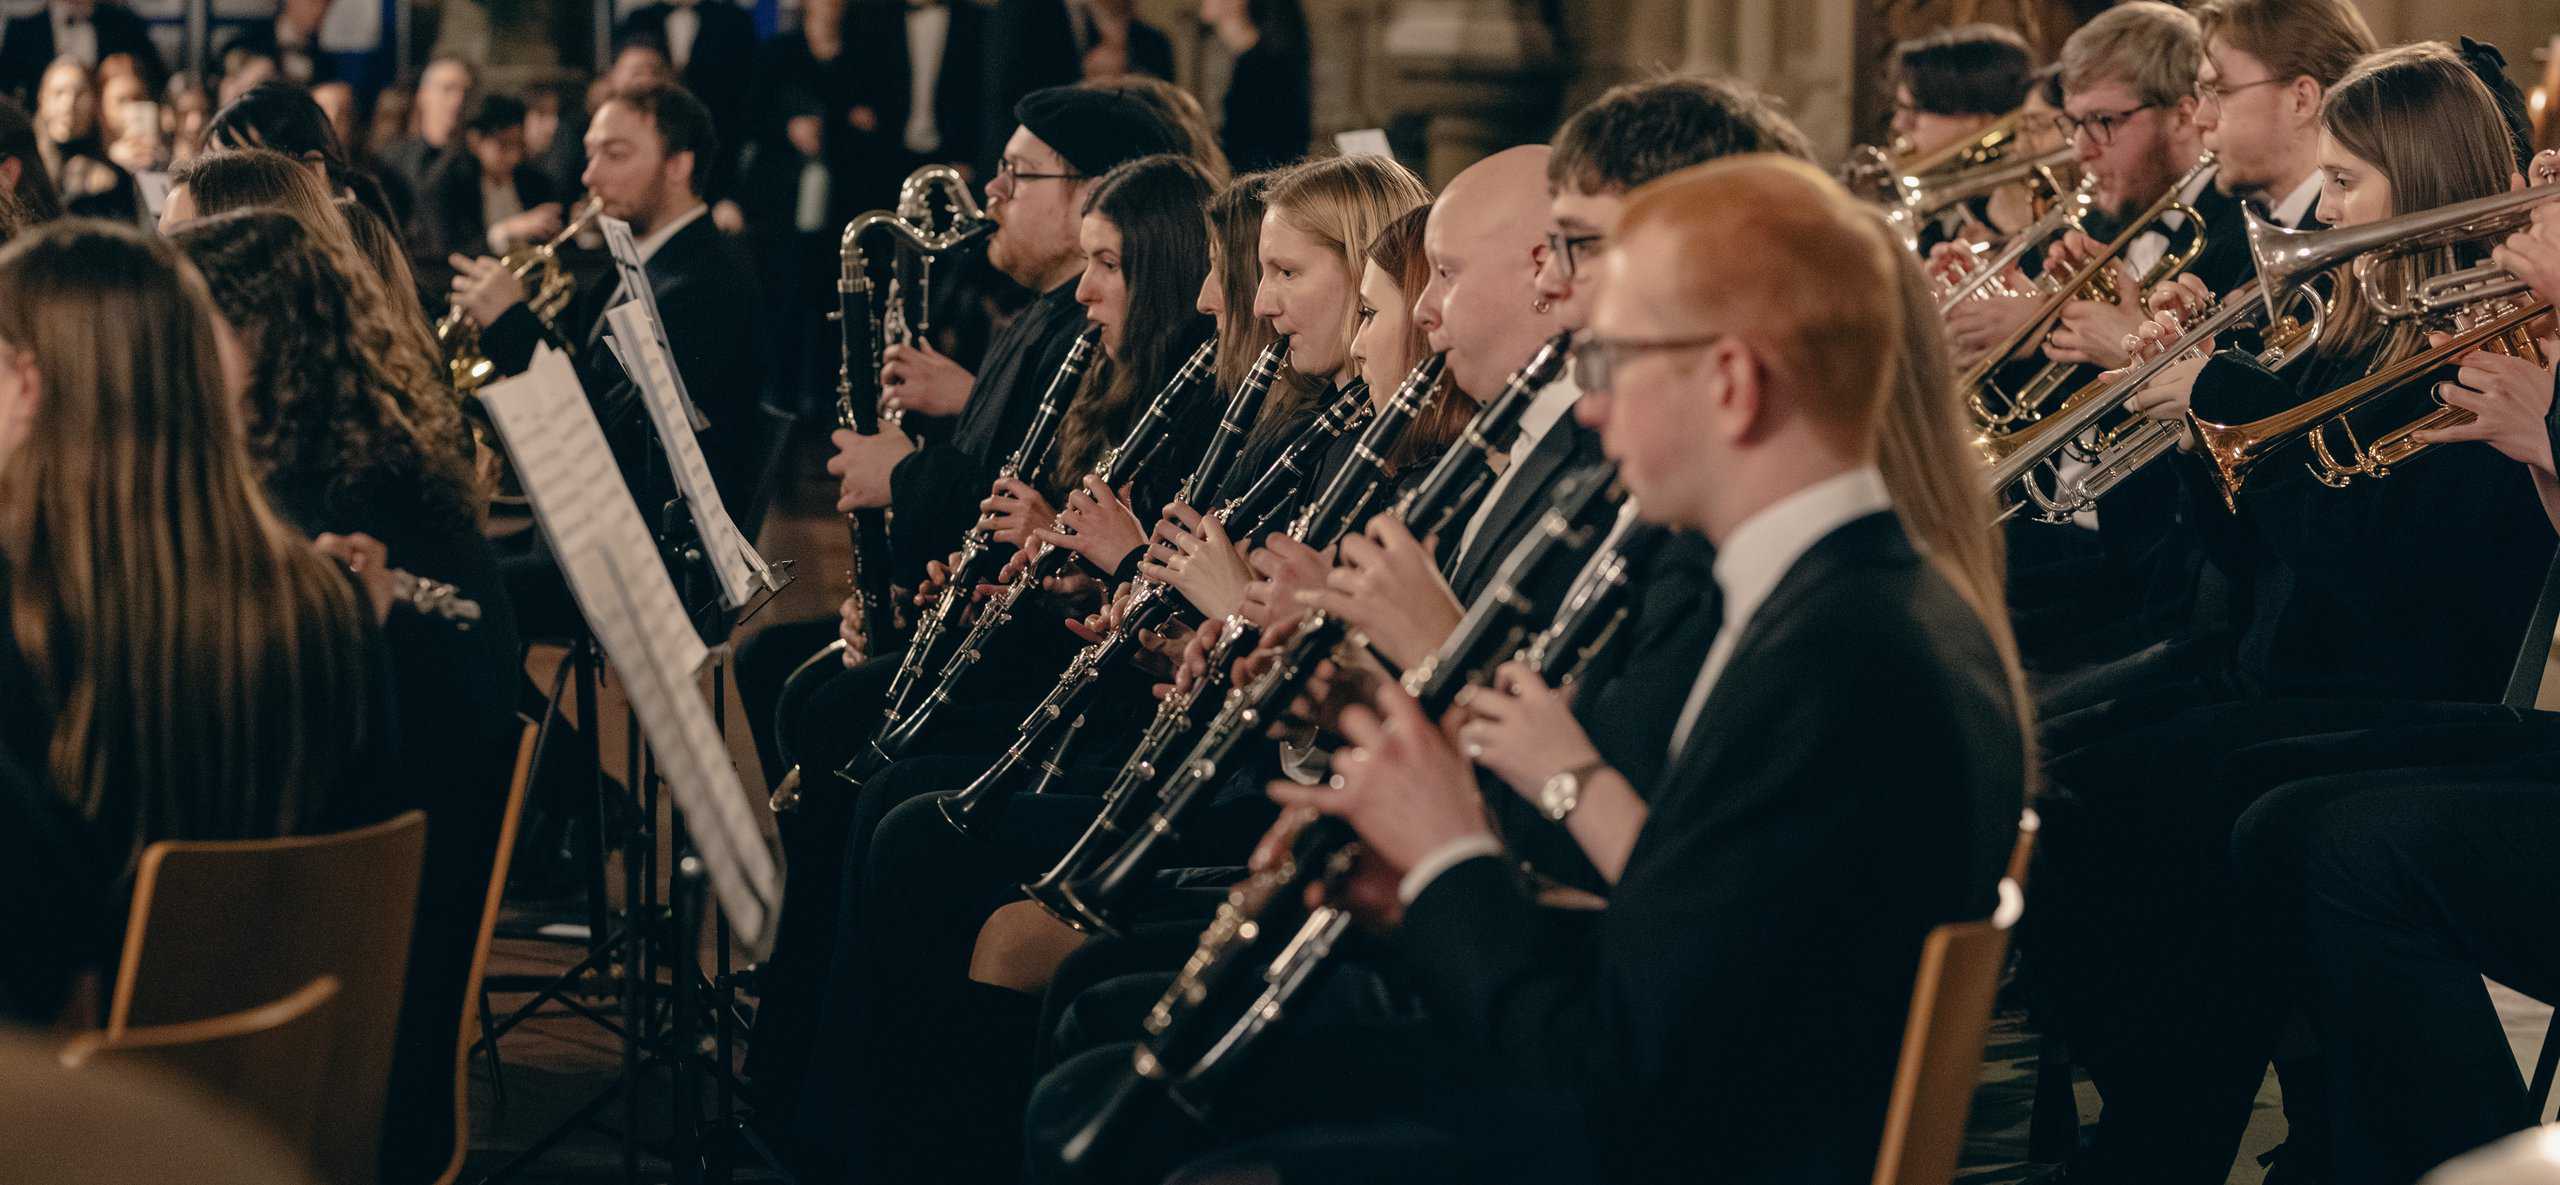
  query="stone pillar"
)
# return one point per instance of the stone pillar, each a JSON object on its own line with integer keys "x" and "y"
{"x": 1482, "y": 73}
{"x": 1802, "y": 51}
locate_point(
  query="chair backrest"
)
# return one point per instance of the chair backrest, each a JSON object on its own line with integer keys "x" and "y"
{"x": 224, "y": 926}
{"x": 1951, "y": 1002}
{"x": 266, "y": 1060}
{"x": 508, "y": 824}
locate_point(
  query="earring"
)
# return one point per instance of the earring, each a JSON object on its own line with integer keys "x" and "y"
{"x": 1542, "y": 305}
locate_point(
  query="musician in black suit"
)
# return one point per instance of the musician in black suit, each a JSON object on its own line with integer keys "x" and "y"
{"x": 893, "y": 133}
{"x": 88, "y": 31}
{"x": 1811, "y": 828}
{"x": 711, "y": 44}
{"x": 2418, "y": 584}
{"x": 484, "y": 199}
{"x": 647, "y": 152}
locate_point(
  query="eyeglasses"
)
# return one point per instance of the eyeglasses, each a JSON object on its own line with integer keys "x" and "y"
{"x": 1597, "y": 359}
{"x": 1568, "y": 249}
{"x": 1007, "y": 171}
{"x": 2215, "y": 92}
{"x": 2101, "y": 128}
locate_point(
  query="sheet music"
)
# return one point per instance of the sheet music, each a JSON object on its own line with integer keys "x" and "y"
{"x": 583, "y": 506}
{"x": 733, "y": 558}
{"x": 694, "y": 763}
{"x": 635, "y": 286}
{"x": 611, "y": 562}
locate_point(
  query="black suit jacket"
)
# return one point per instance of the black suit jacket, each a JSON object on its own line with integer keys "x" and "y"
{"x": 1736, "y": 1012}
{"x": 26, "y": 48}
{"x": 884, "y": 80}
{"x": 449, "y": 219}
{"x": 1567, "y": 446}
{"x": 707, "y": 294}
{"x": 720, "y": 71}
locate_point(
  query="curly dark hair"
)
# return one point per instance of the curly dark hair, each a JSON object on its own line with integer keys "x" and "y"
{"x": 335, "y": 421}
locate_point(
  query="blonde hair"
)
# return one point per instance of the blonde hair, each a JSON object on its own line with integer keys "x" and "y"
{"x": 2315, "y": 39}
{"x": 1797, "y": 272}
{"x": 203, "y": 669}
{"x": 2150, "y": 47}
{"x": 1343, "y": 202}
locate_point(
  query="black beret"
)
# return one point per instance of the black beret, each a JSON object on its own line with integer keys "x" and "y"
{"x": 1094, "y": 130}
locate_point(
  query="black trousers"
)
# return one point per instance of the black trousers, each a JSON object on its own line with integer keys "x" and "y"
{"x": 2139, "y": 948}
{"x": 2408, "y": 886}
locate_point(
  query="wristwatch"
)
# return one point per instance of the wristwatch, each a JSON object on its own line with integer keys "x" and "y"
{"x": 1563, "y": 792}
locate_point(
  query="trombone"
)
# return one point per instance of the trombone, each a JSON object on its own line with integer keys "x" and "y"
{"x": 2092, "y": 281}
{"x": 1917, "y": 199}
{"x": 2486, "y": 294}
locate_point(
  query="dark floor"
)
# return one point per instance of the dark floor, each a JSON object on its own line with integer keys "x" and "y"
{"x": 559, "y": 1063}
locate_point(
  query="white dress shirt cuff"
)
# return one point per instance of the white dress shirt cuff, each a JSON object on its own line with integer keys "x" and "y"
{"x": 1447, "y": 856}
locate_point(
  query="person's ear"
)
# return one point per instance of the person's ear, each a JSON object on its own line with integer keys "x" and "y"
{"x": 2306, "y": 94}
{"x": 1730, "y": 379}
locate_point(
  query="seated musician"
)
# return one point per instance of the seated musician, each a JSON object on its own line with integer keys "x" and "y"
{"x": 2129, "y": 102}
{"x": 1949, "y": 87}
{"x": 1066, "y": 140}
{"x": 2403, "y": 867}
{"x": 2415, "y": 584}
{"x": 1724, "y": 391}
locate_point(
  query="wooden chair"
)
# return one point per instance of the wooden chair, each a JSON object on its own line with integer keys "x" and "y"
{"x": 1951, "y": 1002}
{"x": 508, "y": 821}
{"x": 266, "y": 1061}
{"x": 221, "y": 927}
{"x": 108, "y": 1124}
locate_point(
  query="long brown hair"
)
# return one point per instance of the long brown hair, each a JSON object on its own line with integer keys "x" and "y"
{"x": 328, "y": 426}
{"x": 203, "y": 668}
{"x": 2418, "y": 114}
{"x": 1155, "y": 203}
{"x": 1926, "y": 459}
{"x": 1398, "y": 252}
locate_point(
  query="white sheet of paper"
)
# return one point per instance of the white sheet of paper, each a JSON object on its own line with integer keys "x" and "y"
{"x": 635, "y": 286}
{"x": 1363, "y": 142}
{"x": 611, "y": 562}
{"x": 733, "y": 559}
{"x": 693, "y": 760}
{"x": 581, "y": 502}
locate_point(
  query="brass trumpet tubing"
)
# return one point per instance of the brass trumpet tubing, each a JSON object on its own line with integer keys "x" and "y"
{"x": 2285, "y": 256}
{"x": 2065, "y": 215}
{"x": 2236, "y": 449}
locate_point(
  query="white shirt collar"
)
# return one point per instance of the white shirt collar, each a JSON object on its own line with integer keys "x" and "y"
{"x": 2296, "y": 207}
{"x": 648, "y": 247}
{"x": 1757, "y": 554}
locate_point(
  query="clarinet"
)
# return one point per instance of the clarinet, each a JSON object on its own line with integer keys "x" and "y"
{"x": 1458, "y": 480}
{"x": 1264, "y": 949}
{"x": 1118, "y": 465}
{"x": 1146, "y": 609}
{"x": 976, "y": 548}
{"x": 1186, "y": 709}
{"x": 1079, "y": 898}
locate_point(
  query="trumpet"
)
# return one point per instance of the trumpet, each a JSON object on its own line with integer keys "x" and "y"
{"x": 2339, "y": 457}
{"x": 548, "y": 287}
{"x": 2029, "y": 463}
{"x": 2065, "y": 213}
{"x": 1916, "y": 199}
{"x": 2092, "y": 281}
{"x": 1885, "y": 171}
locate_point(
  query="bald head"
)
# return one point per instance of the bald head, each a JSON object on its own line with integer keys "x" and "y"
{"x": 1482, "y": 304}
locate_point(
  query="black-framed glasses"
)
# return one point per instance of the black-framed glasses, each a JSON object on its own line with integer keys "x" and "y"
{"x": 2215, "y": 92}
{"x": 1596, "y": 359}
{"x": 2102, "y": 127}
{"x": 1008, "y": 171}
{"x": 1569, "y": 250}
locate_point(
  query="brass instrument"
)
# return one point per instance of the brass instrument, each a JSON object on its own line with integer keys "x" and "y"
{"x": 1880, "y": 173}
{"x": 2094, "y": 280}
{"x": 2484, "y": 292}
{"x": 1917, "y": 199}
{"x": 548, "y": 287}
{"x": 2030, "y": 463}
{"x": 1985, "y": 280}
{"x": 2236, "y": 449}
